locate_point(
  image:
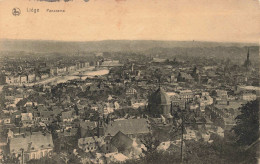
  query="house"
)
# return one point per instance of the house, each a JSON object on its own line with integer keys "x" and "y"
{"x": 137, "y": 105}
{"x": 67, "y": 116}
{"x": 67, "y": 132}
{"x": 190, "y": 135}
{"x": 31, "y": 78}
{"x": 9, "y": 79}
{"x": 27, "y": 119}
{"x": 186, "y": 95}
{"x": 222, "y": 94}
{"x": 4, "y": 119}
{"x": 115, "y": 157}
{"x": 131, "y": 91}
{"x": 16, "y": 132}
{"x": 90, "y": 144}
{"x": 218, "y": 130}
{"x": 108, "y": 108}
{"x": 184, "y": 77}
{"x": 44, "y": 76}
{"x": 130, "y": 127}
{"x": 206, "y": 99}
{"x": 34, "y": 146}
{"x": 248, "y": 96}
{"x": 87, "y": 128}
{"x": 122, "y": 143}
{"x": 46, "y": 116}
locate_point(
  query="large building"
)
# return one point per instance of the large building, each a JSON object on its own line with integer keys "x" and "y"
{"x": 34, "y": 146}
{"x": 131, "y": 127}
{"x": 159, "y": 103}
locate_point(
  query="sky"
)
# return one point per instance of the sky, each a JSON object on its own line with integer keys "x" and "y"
{"x": 200, "y": 20}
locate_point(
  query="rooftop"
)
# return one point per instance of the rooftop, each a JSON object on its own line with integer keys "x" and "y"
{"x": 128, "y": 126}
{"x": 36, "y": 141}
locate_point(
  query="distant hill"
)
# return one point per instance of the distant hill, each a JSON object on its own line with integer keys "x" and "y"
{"x": 218, "y": 51}
{"x": 107, "y": 45}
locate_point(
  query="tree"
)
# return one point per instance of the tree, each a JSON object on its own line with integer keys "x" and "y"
{"x": 151, "y": 144}
{"x": 247, "y": 123}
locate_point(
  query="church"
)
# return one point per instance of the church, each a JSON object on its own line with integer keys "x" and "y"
{"x": 159, "y": 104}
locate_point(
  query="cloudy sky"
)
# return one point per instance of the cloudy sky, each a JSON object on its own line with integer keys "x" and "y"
{"x": 204, "y": 20}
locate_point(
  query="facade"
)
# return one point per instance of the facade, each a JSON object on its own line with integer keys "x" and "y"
{"x": 248, "y": 96}
{"x": 67, "y": 116}
{"x": 9, "y": 79}
{"x": 131, "y": 91}
{"x": 34, "y": 146}
{"x": 23, "y": 79}
{"x": 90, "y": 144}
{"x": 186, "y": 95}
{"x": 222, "y": 94}
{"x": 27, "y": 119}
{"x": 31, "y": 78}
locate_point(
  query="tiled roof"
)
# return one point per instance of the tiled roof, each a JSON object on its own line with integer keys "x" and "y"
{"x": 36, "y": 141}
{"x": 67, "y": 115}
{"x": 88, "y": 125}
{"x": 90, "y": 140}
{"x": 121, "y": 141}
{"x": 128, "y": 126}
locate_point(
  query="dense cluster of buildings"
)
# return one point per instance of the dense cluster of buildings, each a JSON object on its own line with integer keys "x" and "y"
{"x": 41, "y": 73}
{"x": 108, "y": 117}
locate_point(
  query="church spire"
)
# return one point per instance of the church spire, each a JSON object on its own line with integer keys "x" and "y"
{"x": 247, "y": 63}
{"x": 247, "y": 54}
{"x": 159, "y": 83}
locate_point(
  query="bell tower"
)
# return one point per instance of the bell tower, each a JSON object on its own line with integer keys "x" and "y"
{"x": 101, "y": 127}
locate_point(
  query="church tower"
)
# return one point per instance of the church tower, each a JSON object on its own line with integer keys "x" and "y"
{"x": 248, "y": 54}
{"x": 247, "y": 63}
{"x": 101, "y": 128}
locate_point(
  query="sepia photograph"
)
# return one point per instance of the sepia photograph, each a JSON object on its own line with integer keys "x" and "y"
{"x": 129, "y": 81}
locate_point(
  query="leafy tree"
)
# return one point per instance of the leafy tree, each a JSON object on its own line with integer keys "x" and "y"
{"x": 151, "y": 144}
{"x": 247, "y": 123}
